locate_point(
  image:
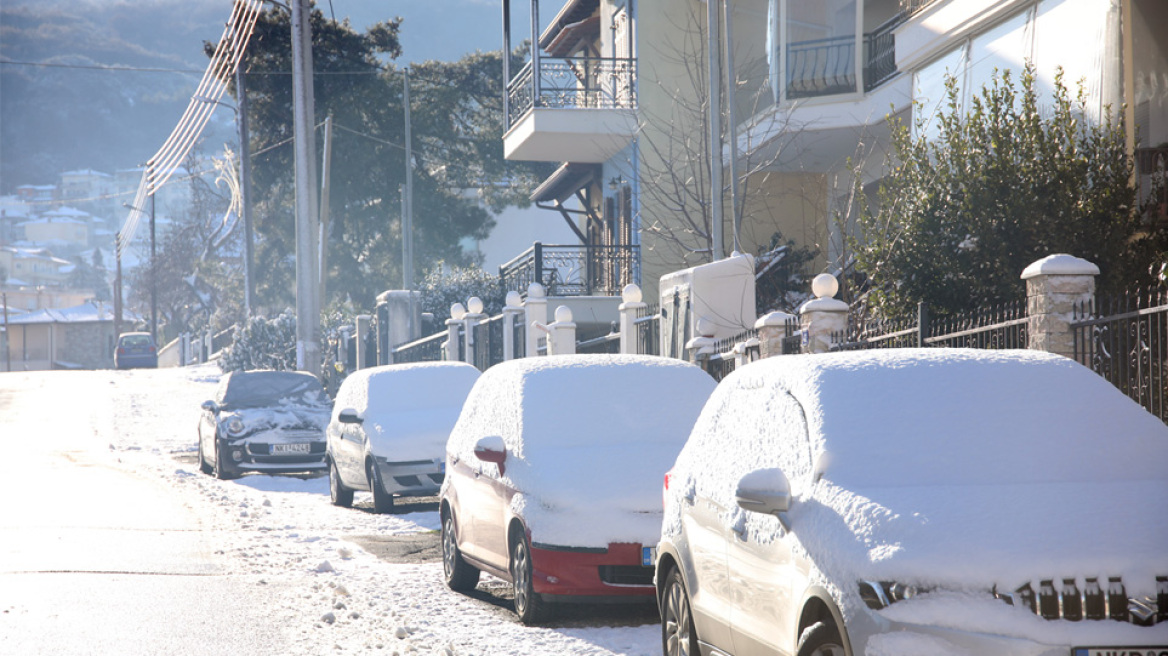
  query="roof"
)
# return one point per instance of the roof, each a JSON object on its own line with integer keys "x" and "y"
{"x": 84, "y": 313}
{"x": 565, "y": 181}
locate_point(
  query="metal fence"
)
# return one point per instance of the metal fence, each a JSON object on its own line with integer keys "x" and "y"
{"x": 1125, "y": 340}
{"x": 648, "y": 327}
{"x": 426, "y": 349}
{"x": 573, "y": 82}
{"x": 573, "y": 270}
{"x": 609, "y": 343}
{"x": 488, "y": 343}
{"x": 724, "y": 360}
{"x": 1001, "y": 327}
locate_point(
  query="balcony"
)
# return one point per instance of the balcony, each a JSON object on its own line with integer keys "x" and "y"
{"x": 578, "y": 109}
{"x": 573, "y": 270}
{"x": 825, "y": 67}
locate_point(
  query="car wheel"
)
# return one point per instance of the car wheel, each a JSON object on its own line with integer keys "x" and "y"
{"x": 678, "y": 636}
{"x": 459, "y": 576}
{"x": 382, "y": 500}
{"x": 203, "y": 465}
{"x": 821, "y": 639}
{"x": 220, "y": 469}
{"x": 529, "y": 605}
{"x": 338, "y": 493}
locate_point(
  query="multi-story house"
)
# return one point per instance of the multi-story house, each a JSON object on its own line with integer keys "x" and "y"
{"x": 616, "y": 92}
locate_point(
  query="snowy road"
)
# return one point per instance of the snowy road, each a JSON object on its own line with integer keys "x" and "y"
{"x": 111, "y": 542}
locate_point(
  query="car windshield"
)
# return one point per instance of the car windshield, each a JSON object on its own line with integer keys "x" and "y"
{"x": 263, "y": 388}
{"x": 136, "y": 340}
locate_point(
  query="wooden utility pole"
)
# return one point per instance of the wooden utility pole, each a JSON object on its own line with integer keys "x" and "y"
{"x": 325, "y": 184}
{"x": 408, "y": 213}
{"x": 245, "y": 191}
{"x": 715, "y": 118}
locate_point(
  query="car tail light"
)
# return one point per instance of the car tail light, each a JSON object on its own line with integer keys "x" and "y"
{"x": 665, "y": 488}
{"x": 121, "y": 351}
{"x": 153, "y": 349}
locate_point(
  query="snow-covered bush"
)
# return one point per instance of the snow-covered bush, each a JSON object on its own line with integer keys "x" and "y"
{"x": 262, "y": 343}
{"x": 439, "y": 290}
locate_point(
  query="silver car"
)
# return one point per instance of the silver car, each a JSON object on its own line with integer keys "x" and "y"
{"x": 389, "y": 428}
{"x": 920, "y": 501}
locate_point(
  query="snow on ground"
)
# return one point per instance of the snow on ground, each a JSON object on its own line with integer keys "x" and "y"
{"x": 282, "y": 533}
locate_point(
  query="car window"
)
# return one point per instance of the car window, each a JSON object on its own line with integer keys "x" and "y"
{"x": 136, "y": 340}
{"x": 263, "y": 388}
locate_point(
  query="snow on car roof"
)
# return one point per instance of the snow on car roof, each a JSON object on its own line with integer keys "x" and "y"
{"x": 969, "y": 467}
{"x": 589, "y": 436}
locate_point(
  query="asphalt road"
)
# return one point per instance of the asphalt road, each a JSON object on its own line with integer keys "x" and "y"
{"x": 96, "y": 558}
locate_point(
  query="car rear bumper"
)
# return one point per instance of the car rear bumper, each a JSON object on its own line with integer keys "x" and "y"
{"x": 591, "y": 574}
{"x": 136, "y": 361}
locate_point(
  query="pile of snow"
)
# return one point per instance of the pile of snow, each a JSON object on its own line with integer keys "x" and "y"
{"x": 589, "y": 439}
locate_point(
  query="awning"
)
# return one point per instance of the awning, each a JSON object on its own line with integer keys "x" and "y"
{"x": 566, "y": 181}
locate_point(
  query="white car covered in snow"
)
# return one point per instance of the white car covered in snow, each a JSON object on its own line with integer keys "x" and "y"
{"x": 924, "y": 502}
{"x": 552, "y": 475}
{"x": 389, "y": 428}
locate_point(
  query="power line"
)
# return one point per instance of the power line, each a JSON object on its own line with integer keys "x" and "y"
{"x": 102, "y": 67}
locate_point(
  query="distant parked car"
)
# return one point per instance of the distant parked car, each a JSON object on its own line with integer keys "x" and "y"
{"x": 135, "y": 350}
{"x": 389, "y": 429}
{"x": 265, "y": 421}
{"x": 553, "y": 470}
{"x": 918, "y": 501}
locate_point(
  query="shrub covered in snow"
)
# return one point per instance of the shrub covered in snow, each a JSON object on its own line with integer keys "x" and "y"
{"x": 262, "y": 343}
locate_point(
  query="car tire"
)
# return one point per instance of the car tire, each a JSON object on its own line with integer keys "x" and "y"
{"x": 338, "y": 493}
{"x": 204, "y": 466}
{"x": 821, "y": 639}
{"x": 220, "y": 470}
{"x": 529, "y": 604}
{"x": 382, "y": 500}
{"x": 678, "y": 635}
{"x": 459, "y": 576}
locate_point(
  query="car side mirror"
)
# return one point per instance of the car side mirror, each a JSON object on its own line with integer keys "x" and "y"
{"x": 211, "y": 407}
{"x": 350, "y": 416}
{"x": 491, "y": 449}
{"x": 765, "y": 491}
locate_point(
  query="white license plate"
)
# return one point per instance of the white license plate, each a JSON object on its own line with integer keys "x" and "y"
{"x": 1119, "y": 651}
{"x": 648, "y": 556}
{"x": 291, "y": 449}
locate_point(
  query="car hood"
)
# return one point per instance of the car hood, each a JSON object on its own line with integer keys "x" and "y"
{"x": 284, "y": 417}
{"x": 976, "y": 536}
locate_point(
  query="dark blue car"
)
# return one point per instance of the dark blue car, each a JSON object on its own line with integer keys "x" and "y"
{"x": 135, "y": 350}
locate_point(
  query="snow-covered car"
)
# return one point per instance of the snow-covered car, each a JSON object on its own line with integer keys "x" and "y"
{"x": 389, "y": 429}
{"x": 922, "y": 501}
{"x": 553, "y": 470}
{"x": 265, "y": 421}
{"x": 135, "y": 350}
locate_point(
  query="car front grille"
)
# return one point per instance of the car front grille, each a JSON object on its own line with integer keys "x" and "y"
{"x": 1097, "y": 600}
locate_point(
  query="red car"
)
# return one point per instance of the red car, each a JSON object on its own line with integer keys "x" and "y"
{"x": 552, "y": 475}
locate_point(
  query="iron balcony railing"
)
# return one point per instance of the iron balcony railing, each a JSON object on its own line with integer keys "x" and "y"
{"x": 573, "y": 270}
{"x": 824, "y": 67}
{"x": 573, "y": 83}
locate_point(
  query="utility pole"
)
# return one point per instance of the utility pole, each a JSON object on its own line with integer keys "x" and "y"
{"x": 731, "y": 122}
{"x": 408, "y": 211}
{"x": 118, "y": 284}
{"x": 7, "y": 336}
{"x": 153, "y": 262}
{"x": 245, "y": 191}
{"x": 717, "y": 251}
{"x": 307, "y": 222}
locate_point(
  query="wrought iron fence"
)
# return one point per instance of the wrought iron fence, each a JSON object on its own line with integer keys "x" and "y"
{"x": 488, "y": 343}
{"x": 609, "y": 343}
{"x": 880, "y": 53}
{"x": 571, "y": 83}
{"x": 573, "y": 270}
{"x": 1001, "y": 327}
{"x": 648, "y": 327}
{"x": 724, "y": 360}
{"x": 821, "y": 67}
{"x": 426, "y": 349}
{"x": 519, "y": 335}
{"x": 1125, "y": 340}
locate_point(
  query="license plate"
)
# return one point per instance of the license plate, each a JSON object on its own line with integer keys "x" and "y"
{"x": 290, "y": 449}
{"x": 648, "y": 556}
{"x": 1119, "y": 651}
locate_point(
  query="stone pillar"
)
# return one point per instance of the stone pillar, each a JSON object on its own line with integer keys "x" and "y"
{"x": 562, "y": 333}
{"x": 772, "y": 329}
{"x": 511, "y": 311}
{"x": 474, "y": 315}
{"x": 453, "y": 324}
{"x": 702, "y": 346}
{"x": 364, "y": 322}
{"x": 534, "y": 312}
{"x": 631, "y": 295}
{"x": 823, "y": 317}
{"x": 1054, "y": 286}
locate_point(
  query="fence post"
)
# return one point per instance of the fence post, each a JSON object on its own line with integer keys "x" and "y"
{"x": 364, "y": 321}
{"x": 1054, "y": 285}
{"x": 562, "y": 333}
{"x": 512, "y": 309}
{"x": 701, "y": 347}
{"x": 534, "y": 312}
{"x": 631, "y": 295}
{"x": 453, "y": 324}
{"x": 823, "y": 316}
{"x": 474, "y": 314}
{"x": 922, "y": 323}
{"x": 772, "y": 328}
